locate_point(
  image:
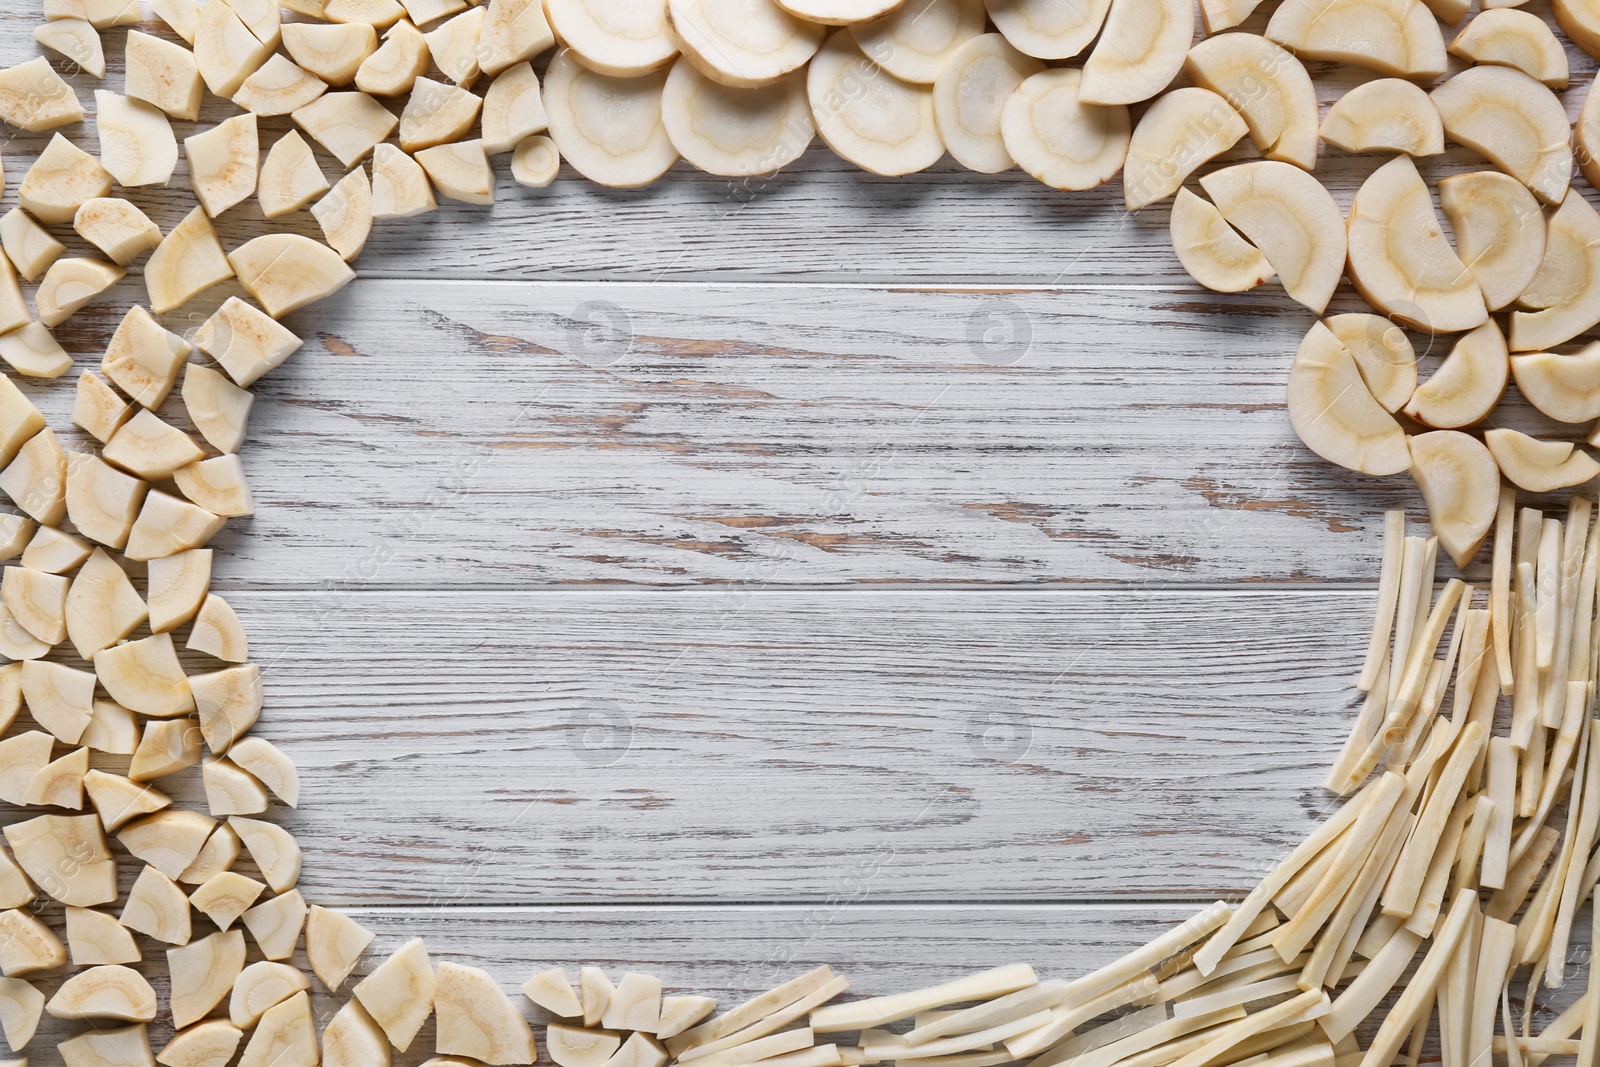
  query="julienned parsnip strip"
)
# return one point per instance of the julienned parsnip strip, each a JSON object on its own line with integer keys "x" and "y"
{"x": 878, "y": 1011}
{"x": 1419, "y": 992}
{"x": 1500, "y": 607}
{"x": 1400, "y": 895}
{"x": 1588, "y": 823}
{"x": 1394, "y": 537}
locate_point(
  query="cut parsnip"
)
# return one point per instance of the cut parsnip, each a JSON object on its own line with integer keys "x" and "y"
{"x": 286, "y": 1036}
{"x": 622, "y": 38}
{"x": 21, "y": 757}
{"x": 679, "y": 1013}
{"x": 245, "y": 341}
{"x": 144, "y": 676}
{"x": 223, "y": 163}
{"x": 514, "y": 111}
{"x": 1386, "y": 115}
{"x": 205, "y": 1044}
{"x": 219, "y": 409}
{"x": 163, "y": 75}
{"x": 61, "y": 698}
{"x": 230, "y": 790}
{"x": 573, "y": 1046}
{"x": 334, "y": 944}
{"x": 113, "y": 730}
{"x": 1269, "y": 88}
{"x": 27, "y": 945}
{"x": 225, "y": 896}
{"x": 286, "y": 271}
{"x": 635, "y": 1005}
{"x": 20, "y": 421}
{"x": 838, "y": 12}
{"x": 1564, "y": 387}
{"x": 93, "y": 938}
{"x": 1061, "y": 141}
{"x": 261, "y": 987}
{"x": 345, "y": 216}
{"x": 436, "y": 113}
{"x": 1336, "y": 415}
{"x": 102, "y": 502}
{"x": 143, "y": 360}
{"x": 1140, "y": 51}
{"x": 278, "y": 87}
{"x": 876, "y": 121}
{"x": 353, "y": 1039}
{"x": 107, "y": 1048}
{"x": 13, "y": 307}
{"x": 915, "y": 40}
{"x": 1396, "y": 37}
{"x": 1400, "y": 260}
{"x": 552, "y": 990}
{"x": 1499, "y": 231}
{"x": 1177, "y": 133}
{"x": 225, "y": 50}
{"x": 331, "y": 52}
{"x": 275, "y": 924}
{"x": 1212, "y": 251}
{"x": 609, "y": 129}
{"x": 66, "y": 856}
{"x": 59, "y": 783}
{"x": 216, "y": 484}
{"x": 1461, "y": 484}
{"x": 182, "y": 16}
{"x": 273, "y": 849}
{"x": 478, "y": 1020}
{"x": 165, "y": 747}
{"x": 150, "y": 448}
{"x": 118, "y": 800}
{"x": 377, "y": 13}
{"x": 1539, "y": 466}
{"x": 102, "y": 607}
{"x": 77, "y": 40}
{"x": 60, "y": 179}
{"x": 348, "y": 125}
{"x": 16, "y": 532}
{"x": 33, "y": 352}
{"x": 34, "y": 97}
{"x": 422, "y": 12}
{"x": 1287, "y": 214}
{"x": 218, "y": 854}
{"x": 513, "y": 31}
{"x": 70, "y": 284}
{"x": 177, "y": 585}
{"x": 1585, "y": 132}
{"x": 400, "y": 189}
{"x": 396, "y": 65}
{"x": 168, "y": 840}
{"x": 453, "y": 44}
{"x": 642, "y": 1050}
{"x": 290, "y": 178}
{"x": 36, "y": 479}
{"x": 21, "y": 1006}
{"x": 37, "y": 600}
{"x": 229, "y": 703}
{"x": 188, "y": 261}
{"x": 398, "y": 994}
{"x": 28, "y": 246}
{"x": 117, "y": 228}
{"x": 1514, "y": 122}
{"x": 157, "y": 908}
{"x": 55, "y": 551}
{"x": 1046, "y": 29}
{"x": 1510, "y": 37}
{"x": 734, "y": 132}
{"x": 742, "y": 43}
{"x": 203, "y": 972}
{"x": 595, "y": 989}
{"x": 1566, "y": 288}
{"x": 970, "y": 95}
{"x": 535, "y": 163}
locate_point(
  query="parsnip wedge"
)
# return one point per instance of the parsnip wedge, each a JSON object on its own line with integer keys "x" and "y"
{"x": 55, "y": 551}
{"x": 229, "y": 703}
{"x": 107, "y": 1048}
{"x": 1579, "y": 20}
{"x": 609, "y": 129}
{"x": 398, "y": 994}
{"x": 168, "y": 840}
{"x": 353, "y": 1039}
{"x": 1046, "y": 29}
{"x": 536, "y": 162}
{"x": 36, "y": 480}
{"x": 202, "y": 973}
{"x": 37, "y": 601}
{"x": 1461, "y": 484}
{"x": 1336, "y": 415}
{"x": 70, "y": 284}
{"x": 1514, "y": 122}
{"x": 217, "y": 484}
{"x": 261, "y": 987}
{"x": 177, "y": 586}
{"x": 21, "y": 1005}
{"x": 1395, "y": 37}
{"x": 679, "y": 1013}
{"x": 1566, "y": 289}
{"x": 915, "y": 40}
{"x": 278, "y": 87}
{"x": 287, "y": 271}
{"x": 275, "y": 924}
{"x": 182, "y": 16}
{"x": 377, "y": 13}
{"x": 970, "y": 95}
{"x": 1511, "y": 37}
{"x": 93, "y": 938}
{"x": 118, "y": 800}
{"x": 34, "y": 97}
{"x": 622, "y": 38}
{"x": 137, "y": 146}
{"x": 1539, "y": 466}
{"x": 102, "y": 502}
{"x": 66, "y": 856}
{"x": 21, "y": 757}
{"x": 348, "y": 124}
{"x": 394, "y": 68}
{"x": 876, "y": 121}
{"x": 113, "y": 730}
{"x": 1269, "y": 88}
{"x": 400, "y": 189}
{"x": 157, "y": 908}
{"x": 206, "y": 1044}
{"x": 552, "y": 990}
{"x": 286, "y": 1036}
{"x": 513, "y": 31}
{"x": 514, "y": 111}
{"x": 60, "y": 179}
{"x": 165, "y": 747}
{"x": 1400, "y": 260}
{"x": 573, "y": 1046}
{"x": 225, "y": 50}
{"x": 14, "y": 311}
{"x": 61, "y": 698}
{"x": 1060, "y": 140}
{"x": 290, "y": 178}
{"x": 453, "y": 44}
{"x": 1499, "y": 231}
{"x": 635, "y": 1004}
{"x": 742, "y": 43}
{"x": 59, "y": 783}
{"x": 727, "y": 131}
{"x": 28, "y": 246}
{"x": 33, "y": 352}
{"x": 221, "y": 850}
{"x": 27, "y": 945}
{"x": 273, "y": 849}
{"x": 459, "y": 171}
{"x": 1177, "y": 133}
{"x": 117, "y": 228}
{"x": 223, "y": 163}
{"x": 16, "y": 532}
{"x": 188, "y": 261}
{"x": 77, "y": 40}
{"x": 1564, "y": 387}
{"x": 477, "y": 1019}
{"x": 151, "y": 448}
{"x": 144, "y": 676}
{"x": 1385, "y": 115}
{"x": 20, "y": 421}
{"x": 437, "y": 113}
{"x": 230, "y": 790}
{"x": 595, "y": 989}
{"x": 1212, "y": 251}
{"x": 102, "y": 607}
{"x": 225, "y": 896}
{"x": 1287, "y": 214}
{"x": 334, "y": 944}
{"x": 143, "y": 361}
{"x": 245, "y": 341}
{"x": 1141, "y": 50}
{"x": 164, "y": 75}
{"x": 330, "y": 52}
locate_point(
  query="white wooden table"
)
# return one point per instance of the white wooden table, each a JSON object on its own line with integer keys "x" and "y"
{"x": 911, "y": 575}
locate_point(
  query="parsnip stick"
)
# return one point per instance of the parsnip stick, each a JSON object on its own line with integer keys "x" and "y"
{"x": 1485, "y": 702}
{"x": 1419, "y": 992}
{"x": 1108, "y": 1033}
{"x": 1394, "y": 538}
{"x": 1500, "y": 583}
{"x": 983, "y": 1016}
{"x": 817, "y": 1056}
{"x": 1503, "y": 792}
{"x": 760, "y": 1049}
{"x": 1137, "y": 1041}
{"x": 1138, "y": 990}
{"x": 1531, "y": 770}
{"x": 1538, "y": 922}
{"x": 1541, "y": 1046}
{"x": 1400, "y": 895}
{"x": 1366, "y": 992}
{"x": 1342, "y": 777}
{"x": 1581, "y": 668}
{"x": 1338, "y": 967}
{"x": 1337, "y": 939}
{"x": 1292, "y": 897}
{"x": 1588, "y": 823}
{"x": 1547, "y": 597}
{"x": 1301, "y": 1009}
{"x": 961, "y": 1059}
{"x": 1533, "y": 929}
{"x": 1574, "y": 539}
{"x": 1470, "y": 850}
{"x": 1455, "y": 997}
{"x": 771, "y": 1023}
{"x": 1561, "y": 750}
{"x": 752, "y": 1010}
{"x": 1590, "y": 1011}
{"x": 1377, "y": 934}
{"x": 1475, "y": 652}
{"x": 1238, "y": 995}
{"x": 1525, "y": 703}
{"x": 971, "y": 1042}
{"x": 1520, "y": 880}
{"x": 1495, "y": 945}
{"x": 1513, "y": 1053}
{"x": 1424, "y": 642}
{"x": 1425, "y": 914}
{"x": 1183, "y": 985}
{"x": 878, "y": 1011}
{"x": 1416, "y": 589}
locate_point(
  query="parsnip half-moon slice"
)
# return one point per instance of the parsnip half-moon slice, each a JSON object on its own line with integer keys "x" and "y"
{"x": 622, "y": 38}
{"x": 1141, "y": 49}
{"x": 1460, "y": 481}
{"x": 1269, "y": 88}
{"x": 1564, "y": 387}
{"x": 1383, "y": 355}
{"x": 743, "y": 43}
{"x": 1567, "y": 286}
{"x": 608, "y": 128}
{"x": 1049, "y": 29}
{"x": 1579, "y": 20}
{"x": 917, "y": 39}
{"x": 1060, "y": 140}
{"x": 1287, "y": 214}
{"x": 1176, "y": 134}
{"x": 1386, "y": 115}
{"x": 1514, "y": 122}
{"x": 1511, "y": 37}
{"x": 1336, "y": 415}
{"x": 735, "y": 132}
{"x": 970, "y": 95}
{"x": 867, "y": 115}
{"x": 1212, "y": 251}
{"x": 1467, "y": 385}
{"x": 1539, "y": 466}
{"x": 1398, "y": 37}
{"x": 1499, "y": 230}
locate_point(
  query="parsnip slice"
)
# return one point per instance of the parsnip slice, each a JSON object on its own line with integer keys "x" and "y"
{"x": 915, "y": 40}
{"x": 398, "y": 994}
{"x": 273, "y": 849}
{"x": 1461, "y": 484}
{"x": 225, "y": 896}
{"x": 970, "y": 95}
{"x": 378, "y": 13}
{"x": 188, "y": 261}
{"x": 261, "y": 987}
{"x": 275, "y": 924}
{"x": 333, "y": 52}
{"x": 453, "y": 44}
{"x": 536, "y": 162}
{"x": 1539, "y": 466}
{"x": 398, "y": 62}
{"x": 217, "y": 484}
{"x": 1336, "y": 415}
{"x": 20, "y": 421}
{"x": 1564, "y": 387}
{"x": 143, "y": 361}
{"x": 286, "y": 271}
{"x": 513, "y": 31}
{"x": 229, "y": 702}
{"x": 572, "y": 1046}
{"x": 1510, "y": 37}
{"x": 59, "y": 783}
{"x": 223, "y": 163}
{"x": 348, "y": 124}
{"x": 70, "y": 284}
{"x": 286, "y": 1036}
{"x": 1177, "y": 133}
{"x": 177, "y": 585}
{"x": 230, "y": 790}
{"x": 165, "y": 747}
{"x": 1287, "y": 214}
{"x": 117, "y": 228}
{"x": 1566, "y": 288}
{"x": 21, "y": 757}
{"x": 107, "y": 1048}
{"x": 245, "y": 341}
{"x": 16, "y": 532}
{"x": 144, "y": 676}
{"x": 622, "y": 38}
{"x": 636, "y": 1004}
{"x": 1269, "y": 88}
{"x": 164, "y": 75}
{"x": 1047, "y": 29}
{"x": 55, "y": 551}
{"x": 218, "y": 854}
{"x": 118, "y": 801}
{"x": 36, "y": 480}
{"x": 61, "y": 698}
{"x": 157, "y": 908}
{"x": 838, "y": 12}
{"x": 17, "y": 643}
{"x": 1396, "y": 37}
{"x": 334, "y": 944}
{"x": 679, "y": 1013}
{"x": 1140, "y": 51}
{"x": 436, "y": 113}
{"x": 552, "y": 990}
{"x": 399, "y": 187}
{"x": 1514, "y": 122}
{"x": 278, "y": 87}
{"x": 202, "y": 973}
{"x": 93, "y": 937}
{"x": 77, "y": 40}
{"x": 874, "y": 120}
{"x": 513, "y": 109}
{"x": 206, "y": 1044}
{"x": 149, "y": 447}
{"x": 66, "y": 856}
{"x": 1385, "y": 115}
{"x": 353, "y": 1039}
{"x": 21, "y": 1005}
{"x": 37, "y": 600}
{"x": 742, "y": 43}
{"x": 225, "y": 50}
{"x": 609, "y": 129}
{"x": 102, "y": 502}
{"x": 1499, "y": 231}
{"x": 595, "y": 989}
{"x": 290, "y": 178}
{"x": 1060, "y": 140}
{"x": 477, "y": 1019}
{"x": 34, "y": 97}
{"x": 28, "y": 246}
{"x": 168, "y": 840}
{"x": 1214, "y": 253}
{"x": 727, "y": 131}
{"x": 27, "y": 945}
{"x": 113, "y": 729}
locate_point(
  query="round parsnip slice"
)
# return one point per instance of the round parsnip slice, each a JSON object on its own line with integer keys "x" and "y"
{"x": 1269, "y": 88}
{"x": 838, "y": 12}
{"x": 1400, "y": 259}
{"x": 732, "y": 132}
{"x": 1499, "y": 230}
{"x": 1398, "y": 37}
{"x": 868, "y": 116}
{"x": 970, "y": 95}
{"x": 1539, "y": 466}
{"x": 1287, "y": 214}
{"x": 1335, "y": 414}
{"x": 1567, "y": 286}
{"x": 1140, "y": 51}
{"x": 1511, "y": 37}
{"x": 1383, "y": 355}
{"x": 621, "y": 38}
{"x": 1049, "y": 29}
{"x": 742, "y": 43}
{"x": 1512, "y": 121}
{"x": 915, "y": 41}
{"x": 609, "y": 129}
{"x": 535, "y": 162}
{"x": 1386, "y": 115}
{"x": 1060, "y": 140}
{"x": 1212, "y": 251}
{"x": 1467, "y": 385}
{"x": 1178, "y": 132}
{"x": 1564, "y": 387}
{"x": 1460, "y": 482}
